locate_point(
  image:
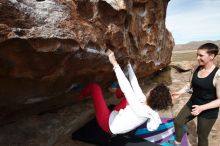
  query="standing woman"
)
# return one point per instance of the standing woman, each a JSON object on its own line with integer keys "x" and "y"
{"x": 205, "y": 100}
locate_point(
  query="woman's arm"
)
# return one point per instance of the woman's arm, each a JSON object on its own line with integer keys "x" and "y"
{"x": 134, "y": 83}
{"x": 186, "y": 88}
{"x": 126, "y": 87}
{"x": 177, "y": 94}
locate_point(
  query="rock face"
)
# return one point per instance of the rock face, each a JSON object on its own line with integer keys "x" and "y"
{"x": 48, "y": 47}
{"x": 184, "y": 66}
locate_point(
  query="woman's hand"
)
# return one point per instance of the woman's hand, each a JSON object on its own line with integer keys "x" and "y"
{"x": 111, "y": 57}
{"x": 175, "y": 95}
{"x": 196, "y": 110}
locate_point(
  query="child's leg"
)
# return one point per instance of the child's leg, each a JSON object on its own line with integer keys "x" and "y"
{"x": 119, "y": 94}
{"x": 121, "y": 104}
{"x": 101, "y": 109}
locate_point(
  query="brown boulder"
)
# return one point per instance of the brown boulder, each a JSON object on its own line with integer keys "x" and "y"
{"x": 47, "y": 47}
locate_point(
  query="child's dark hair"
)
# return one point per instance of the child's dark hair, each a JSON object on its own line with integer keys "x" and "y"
{"x": 160, "y": 98}
{"x": 211, "y": 48}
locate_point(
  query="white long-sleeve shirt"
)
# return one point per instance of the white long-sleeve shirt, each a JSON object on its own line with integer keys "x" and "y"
{"x": 136, "y": 112}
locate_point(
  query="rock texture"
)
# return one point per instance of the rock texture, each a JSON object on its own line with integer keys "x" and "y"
{"x": 49, "y": 47}
{"x": 184, "y": 66}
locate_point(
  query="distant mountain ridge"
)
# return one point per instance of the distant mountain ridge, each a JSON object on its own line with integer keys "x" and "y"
{"x": 193, "y": 45}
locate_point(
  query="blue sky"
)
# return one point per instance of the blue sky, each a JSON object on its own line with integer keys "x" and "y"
{"x": 193, "y": 20}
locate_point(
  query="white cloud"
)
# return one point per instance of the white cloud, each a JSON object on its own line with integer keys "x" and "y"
{"x": 191, "y": 21}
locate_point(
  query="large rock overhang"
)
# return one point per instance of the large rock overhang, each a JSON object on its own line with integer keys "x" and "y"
{"x": 47, "y": 47}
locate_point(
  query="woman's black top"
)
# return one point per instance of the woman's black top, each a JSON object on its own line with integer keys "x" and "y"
{"x": 204, "y": 92}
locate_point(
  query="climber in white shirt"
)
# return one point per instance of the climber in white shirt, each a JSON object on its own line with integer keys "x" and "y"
{"x": 135, "y": 109}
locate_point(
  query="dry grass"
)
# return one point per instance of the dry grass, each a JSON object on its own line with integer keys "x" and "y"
{"x": 186, "y": 55}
